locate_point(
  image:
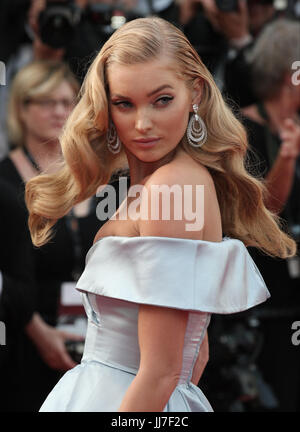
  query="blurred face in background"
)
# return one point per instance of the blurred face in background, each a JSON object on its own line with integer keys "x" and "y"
{"x": 44, "y": 116}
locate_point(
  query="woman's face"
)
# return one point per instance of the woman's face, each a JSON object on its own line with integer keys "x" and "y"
{"x": 44, "y": 116}
{"x": 150, "y": 108}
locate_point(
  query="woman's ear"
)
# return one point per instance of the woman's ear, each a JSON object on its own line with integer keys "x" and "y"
{"x": 197, "y": 91}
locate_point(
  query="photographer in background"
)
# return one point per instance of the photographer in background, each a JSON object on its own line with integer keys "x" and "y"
{"x": 273, "y": 125}
{"x": 222, "y": 31}
{"x": 78, "y": 28}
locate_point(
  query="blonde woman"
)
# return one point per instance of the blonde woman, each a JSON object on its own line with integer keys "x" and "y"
{"x": 151, "y": 283}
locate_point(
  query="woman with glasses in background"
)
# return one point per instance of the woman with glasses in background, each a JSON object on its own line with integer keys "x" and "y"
{"x": 42, "y": 97}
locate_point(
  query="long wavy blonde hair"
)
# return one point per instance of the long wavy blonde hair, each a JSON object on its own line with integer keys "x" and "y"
{"x": 88, "y": 163}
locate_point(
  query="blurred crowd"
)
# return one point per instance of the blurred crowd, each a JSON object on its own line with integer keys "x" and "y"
{"x": 252, "y": 49}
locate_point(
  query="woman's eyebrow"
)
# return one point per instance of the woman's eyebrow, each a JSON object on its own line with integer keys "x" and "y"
{"x": 159, "y": 89}
{"x": 148, "y": 95}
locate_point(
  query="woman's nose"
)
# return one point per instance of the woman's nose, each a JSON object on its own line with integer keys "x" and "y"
{"x": 143, "y": 122}
{"x": 60, "y": 109}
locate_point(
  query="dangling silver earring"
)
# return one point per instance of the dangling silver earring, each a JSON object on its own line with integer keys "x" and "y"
{"x": 196, "y": 131}
{"x": 113, "y": 141}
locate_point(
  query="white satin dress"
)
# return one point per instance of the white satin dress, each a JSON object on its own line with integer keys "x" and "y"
{"x": 123, "y": 272}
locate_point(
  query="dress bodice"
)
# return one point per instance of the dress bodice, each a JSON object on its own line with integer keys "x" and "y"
{"x": 202, "y": 277}
{"x": 112, "y": 336}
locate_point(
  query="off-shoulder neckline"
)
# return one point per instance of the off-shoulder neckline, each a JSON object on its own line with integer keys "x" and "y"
{"x": 225, "y": 238}
{"x": 160, "y": 282}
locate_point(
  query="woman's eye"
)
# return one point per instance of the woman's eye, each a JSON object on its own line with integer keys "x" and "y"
{"x": 122, "y": 104}
{"x": 164, "y": 100}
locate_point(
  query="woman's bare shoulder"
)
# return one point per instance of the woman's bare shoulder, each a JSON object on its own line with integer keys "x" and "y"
{"x": 183, "y": 169}
{"x": 174, "y": 177}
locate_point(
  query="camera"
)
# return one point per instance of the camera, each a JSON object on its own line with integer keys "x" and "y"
{"x": 59, "y": 21}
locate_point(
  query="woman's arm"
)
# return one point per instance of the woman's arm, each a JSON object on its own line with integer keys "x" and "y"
{"x": 161, "y": 338}
{"x": 161, "y": 330}
{"x": 279, "y": 180}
